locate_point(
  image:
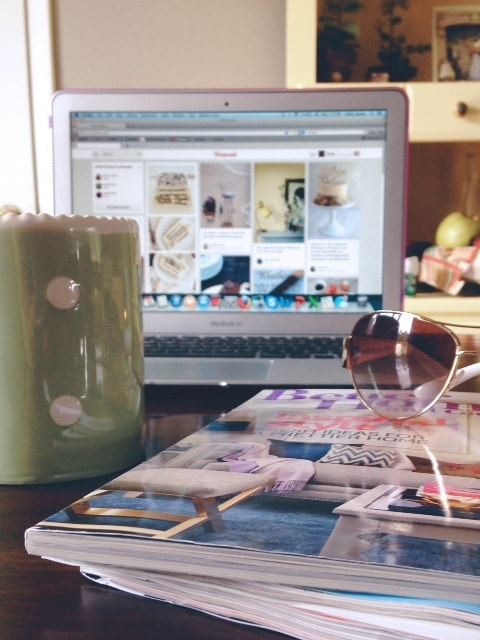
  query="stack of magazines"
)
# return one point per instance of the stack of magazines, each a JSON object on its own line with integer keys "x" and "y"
{"x": 299, "y": 511}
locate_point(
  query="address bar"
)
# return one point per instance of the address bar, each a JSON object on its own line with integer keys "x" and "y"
{"x": 227, "y": 132}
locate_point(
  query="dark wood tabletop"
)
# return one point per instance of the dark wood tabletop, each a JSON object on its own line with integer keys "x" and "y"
{"x": 40, "y": 599}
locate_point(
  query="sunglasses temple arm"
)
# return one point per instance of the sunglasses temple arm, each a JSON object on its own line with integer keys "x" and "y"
{"x": 464, "y": 374}
{"x": 434, "y": 387}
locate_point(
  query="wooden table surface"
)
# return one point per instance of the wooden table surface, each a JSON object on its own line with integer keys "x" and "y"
{"x": 44, "y": 600}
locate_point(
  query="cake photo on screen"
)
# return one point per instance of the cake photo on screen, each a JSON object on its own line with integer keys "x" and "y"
{"x": 335, "y": 199}
{"x": 332, "y": 187}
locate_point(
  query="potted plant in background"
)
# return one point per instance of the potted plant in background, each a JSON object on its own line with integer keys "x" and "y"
{"x": 337, "y": 44}
{"x": 394, "y": 50}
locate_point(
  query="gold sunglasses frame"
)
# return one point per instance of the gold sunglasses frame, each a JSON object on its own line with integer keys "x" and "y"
{"x": 455, "y": 377}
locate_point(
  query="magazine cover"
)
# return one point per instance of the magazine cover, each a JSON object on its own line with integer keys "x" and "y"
{"x": 299, "y": 487}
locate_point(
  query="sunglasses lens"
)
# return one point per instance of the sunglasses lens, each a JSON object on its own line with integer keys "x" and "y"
{"x": 400, "y": 363}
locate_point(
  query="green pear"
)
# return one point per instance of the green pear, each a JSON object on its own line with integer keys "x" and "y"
{"x": 456, "y": 230}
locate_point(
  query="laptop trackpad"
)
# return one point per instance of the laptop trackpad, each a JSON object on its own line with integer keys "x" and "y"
{"x": 204, "y": 370}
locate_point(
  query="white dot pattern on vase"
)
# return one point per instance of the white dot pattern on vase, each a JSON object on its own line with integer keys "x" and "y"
{"x": 63, "y": 292}
{"x": 65, "y": 410}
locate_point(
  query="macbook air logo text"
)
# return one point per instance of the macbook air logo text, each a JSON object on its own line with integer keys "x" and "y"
{"x": 225, "y": 323}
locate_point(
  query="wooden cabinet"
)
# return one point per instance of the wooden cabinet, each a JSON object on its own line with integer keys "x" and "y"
{"x": 436, "y": 108}
{"x": 445, "y": 308}
{"x": 444, "y": 125}
{"x": 444, "y": 111}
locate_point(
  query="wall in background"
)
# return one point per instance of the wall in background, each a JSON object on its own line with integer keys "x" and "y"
{"x": 169, "y": 44}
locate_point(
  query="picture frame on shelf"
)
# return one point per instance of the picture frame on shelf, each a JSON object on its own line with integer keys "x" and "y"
{"x": 456, "y": 43}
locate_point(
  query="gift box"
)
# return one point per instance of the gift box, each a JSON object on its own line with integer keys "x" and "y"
{"x": 450, "y": 269}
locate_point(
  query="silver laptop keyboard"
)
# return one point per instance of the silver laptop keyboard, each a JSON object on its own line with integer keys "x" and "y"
{"x": 243, "y": 347}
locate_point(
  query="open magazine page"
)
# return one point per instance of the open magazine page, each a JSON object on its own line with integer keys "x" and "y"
{"x": 301, "y": 613}
{"x": 301, "y": 487}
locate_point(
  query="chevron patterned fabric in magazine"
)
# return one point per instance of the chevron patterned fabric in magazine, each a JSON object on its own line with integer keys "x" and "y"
{"x": 358, "y": 455}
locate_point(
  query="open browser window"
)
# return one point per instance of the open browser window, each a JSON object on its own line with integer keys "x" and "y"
{"x": 242, "y": 210}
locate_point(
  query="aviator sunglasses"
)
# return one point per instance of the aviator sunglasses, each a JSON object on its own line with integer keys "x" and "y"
{"x": 402, "y": 363}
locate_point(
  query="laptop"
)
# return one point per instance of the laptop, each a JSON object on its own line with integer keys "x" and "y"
{"x": 270, "y": 220}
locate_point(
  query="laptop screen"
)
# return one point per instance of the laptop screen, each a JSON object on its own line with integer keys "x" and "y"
{"x": 245, "y": 207}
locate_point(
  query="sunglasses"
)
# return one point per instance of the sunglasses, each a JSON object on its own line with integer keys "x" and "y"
{"x": 401, "y": 363}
